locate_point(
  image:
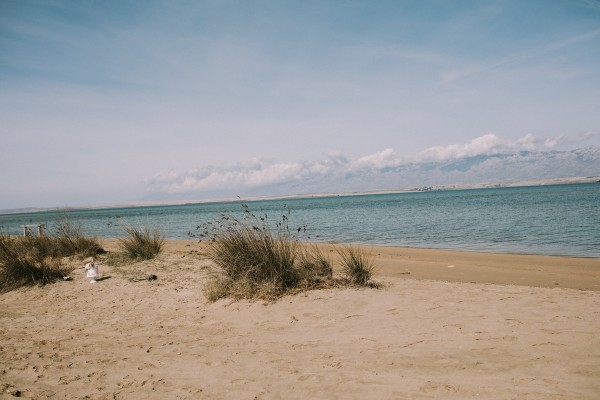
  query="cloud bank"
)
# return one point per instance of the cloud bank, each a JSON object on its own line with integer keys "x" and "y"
{"x": 486, "y": 158}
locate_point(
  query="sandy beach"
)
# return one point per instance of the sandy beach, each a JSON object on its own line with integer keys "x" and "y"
{"x": 444, "y": 324}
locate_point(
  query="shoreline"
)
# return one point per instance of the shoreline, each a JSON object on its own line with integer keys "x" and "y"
{"x": 392, "y": 246}
{"x": 454, "y": 265}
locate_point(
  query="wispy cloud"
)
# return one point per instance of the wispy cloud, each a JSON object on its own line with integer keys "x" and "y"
{"x": 495, "y": 64}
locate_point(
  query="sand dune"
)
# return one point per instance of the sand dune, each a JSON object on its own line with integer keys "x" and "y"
{"x": 421, "y": 336}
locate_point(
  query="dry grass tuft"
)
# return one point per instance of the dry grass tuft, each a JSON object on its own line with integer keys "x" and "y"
{"x": 256, "y": 260}
{"x": 28, "y": 261}
{"x": 69, "y": 240}
{"x": 142, "y": 243}
{"x": 357, "y": 266}
{"x": 314, "y": 266}
{"x": 37, "y": 260}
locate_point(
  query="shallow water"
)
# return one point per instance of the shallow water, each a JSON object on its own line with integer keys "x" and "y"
{"x": 556, "y": 219}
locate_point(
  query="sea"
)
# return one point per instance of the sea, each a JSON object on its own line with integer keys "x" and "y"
{"x": 546, "y": 220}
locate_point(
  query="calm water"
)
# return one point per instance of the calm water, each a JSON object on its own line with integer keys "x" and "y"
{"x": 561, "y": 219}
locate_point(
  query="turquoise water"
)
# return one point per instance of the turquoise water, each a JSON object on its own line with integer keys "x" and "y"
{"x": 557, "y": 220}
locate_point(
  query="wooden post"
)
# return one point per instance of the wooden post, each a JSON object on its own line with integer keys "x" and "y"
{"x": 27, "y": 229}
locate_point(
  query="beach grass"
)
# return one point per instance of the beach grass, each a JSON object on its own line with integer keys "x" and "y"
{"x": 29, "y": 261}
{"x": 253, "y": 259}
{"x": 314, "y": 265}
{"x": 69, "y": 240}
{"x": 142, "y": 243}
{"x": 39, "y": 260}
{"x": 357, "y": 266}
{"x": 258, "y": 260}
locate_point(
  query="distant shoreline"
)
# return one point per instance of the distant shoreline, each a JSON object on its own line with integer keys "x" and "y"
{"x": 484, "y": 185}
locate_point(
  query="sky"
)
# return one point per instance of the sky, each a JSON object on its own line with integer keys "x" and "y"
{"x": 112, "y": 102}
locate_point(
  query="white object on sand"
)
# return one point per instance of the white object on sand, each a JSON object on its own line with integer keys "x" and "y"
{"x": 91, "y": 271}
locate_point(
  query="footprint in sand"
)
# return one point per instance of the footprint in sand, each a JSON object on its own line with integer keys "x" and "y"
{"x": 308, "y": 377}
{"x": 66, "y": 379}
{"x": 438, "y": 387}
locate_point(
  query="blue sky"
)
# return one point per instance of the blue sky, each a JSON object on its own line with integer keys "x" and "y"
{"x": 107, "y": 102}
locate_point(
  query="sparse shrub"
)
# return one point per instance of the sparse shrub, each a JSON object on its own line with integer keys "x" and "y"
{"x": 142, "y": 243}
{"x": 357, "y": 266}
{"x": 25, "y": 262}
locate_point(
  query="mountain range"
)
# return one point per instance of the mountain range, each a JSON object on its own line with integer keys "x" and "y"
{"x": 340, "y": 175}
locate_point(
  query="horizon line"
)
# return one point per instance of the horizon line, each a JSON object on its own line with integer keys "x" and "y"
{"x": 445, "y": 187}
